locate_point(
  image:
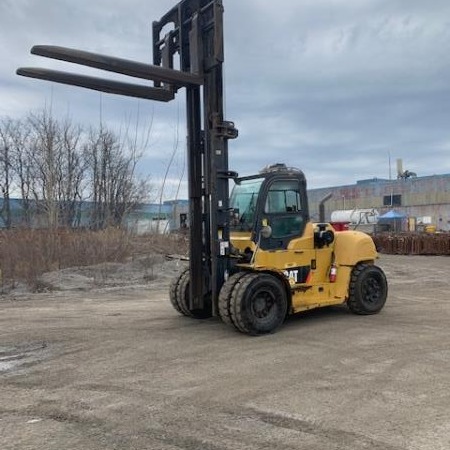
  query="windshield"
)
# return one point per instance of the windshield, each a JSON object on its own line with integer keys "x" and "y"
{"x": 243, "y": 200}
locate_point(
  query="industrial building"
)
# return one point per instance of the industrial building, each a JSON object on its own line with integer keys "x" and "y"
{"x": 421, "y": 201}
{"x": 162, "y": 218}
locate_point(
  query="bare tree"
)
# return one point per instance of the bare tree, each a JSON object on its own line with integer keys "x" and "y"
{"x": 44, "y": 146}
{"x": 116, "y": 191}
{"x": 16, "y": 175}
{"x": 58, "y": 168}
{"x": 6, "y": 171}
{"x": 71, "y": 170}
{"x": 23, "y": 169}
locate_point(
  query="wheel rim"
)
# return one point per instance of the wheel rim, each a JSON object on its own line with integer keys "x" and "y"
{"x": 372, "y": 290}
{"x": 264, "y": 306}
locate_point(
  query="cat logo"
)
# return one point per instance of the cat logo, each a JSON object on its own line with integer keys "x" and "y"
{"x": 297, "y": 275}
{"x": 292, "y": 275}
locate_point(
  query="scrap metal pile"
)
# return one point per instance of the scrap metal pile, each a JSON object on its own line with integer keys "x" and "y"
{"x": 413, "y": 243}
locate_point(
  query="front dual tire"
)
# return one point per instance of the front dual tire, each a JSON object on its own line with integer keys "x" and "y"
{"x": 254, "y": 303}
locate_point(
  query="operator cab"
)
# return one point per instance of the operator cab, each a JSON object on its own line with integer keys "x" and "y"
{"x": 274, "y": 198}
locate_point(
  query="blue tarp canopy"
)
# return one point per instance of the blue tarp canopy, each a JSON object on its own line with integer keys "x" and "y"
{"x": 392, "y": 215}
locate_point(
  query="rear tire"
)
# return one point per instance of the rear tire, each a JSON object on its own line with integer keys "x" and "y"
{"x": 179, "y": 297}
{"x": 258, "y": 304}
{"x": 368, "y": 289}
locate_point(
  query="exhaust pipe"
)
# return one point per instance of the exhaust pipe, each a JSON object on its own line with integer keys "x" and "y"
{"x": 322, "y": 207}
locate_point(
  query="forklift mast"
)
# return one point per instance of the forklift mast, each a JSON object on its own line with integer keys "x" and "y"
{"x": 188, "y": 52}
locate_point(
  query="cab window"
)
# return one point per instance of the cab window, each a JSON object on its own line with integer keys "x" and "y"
{"x": 283, "y": 197}
{"x": 284, "y": 209}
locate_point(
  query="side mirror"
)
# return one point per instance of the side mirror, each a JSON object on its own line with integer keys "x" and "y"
{"x": 234, "y": 215}
{"x": 266, "y": 231}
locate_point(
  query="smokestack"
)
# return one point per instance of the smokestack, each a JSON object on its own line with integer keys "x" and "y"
{"x": 399, "y": 168}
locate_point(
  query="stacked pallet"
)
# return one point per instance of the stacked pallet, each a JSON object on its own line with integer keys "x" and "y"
{"x": 413, "y": 243}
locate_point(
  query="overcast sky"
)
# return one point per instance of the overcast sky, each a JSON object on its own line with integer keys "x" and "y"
{"x": 330, "y": 86}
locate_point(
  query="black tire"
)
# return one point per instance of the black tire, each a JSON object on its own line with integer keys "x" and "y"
{"x": 179, "y": 297}
{"x": 225, "y": 295}
{"x": 258, "y": 304}
{"x": 183, "y": 293}
{"x": 368, "y": 289}
{"x": 173, "y": 292}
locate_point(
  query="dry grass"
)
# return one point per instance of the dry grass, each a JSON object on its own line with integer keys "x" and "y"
{"x": 169, "y": 244}
{"x": 26, "y": 254}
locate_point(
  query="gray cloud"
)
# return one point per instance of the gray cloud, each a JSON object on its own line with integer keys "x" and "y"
{"x": 331, "y": 86}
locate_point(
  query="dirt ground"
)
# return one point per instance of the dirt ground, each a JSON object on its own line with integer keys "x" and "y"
{"x": 115, "y": 367}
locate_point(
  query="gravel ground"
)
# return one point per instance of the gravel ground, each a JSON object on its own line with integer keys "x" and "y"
{"x": 110, "y": 365}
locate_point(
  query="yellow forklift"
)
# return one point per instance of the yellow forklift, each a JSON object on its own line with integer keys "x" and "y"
{"x": 255, "y": 256}
{"x": 282, "y": 262}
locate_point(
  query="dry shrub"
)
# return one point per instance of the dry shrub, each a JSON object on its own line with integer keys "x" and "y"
{"x": 26, "y": 253}
{"x": 161, "y": 244}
